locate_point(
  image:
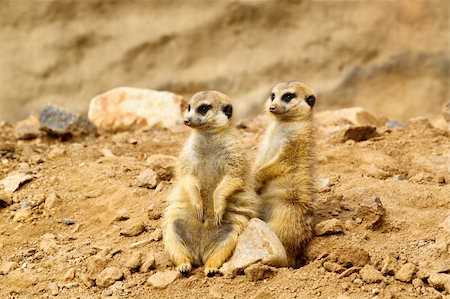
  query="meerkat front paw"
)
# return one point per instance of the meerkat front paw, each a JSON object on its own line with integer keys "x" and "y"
{"x": 210, "y": 271}
{"x": 184, "y": 268}
{"x": 218, "y": 214}
{"x": 199, "y": 211}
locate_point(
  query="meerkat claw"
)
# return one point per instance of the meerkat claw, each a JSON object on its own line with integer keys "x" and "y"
{"x": 184, "y": 268}
{"x": 209, "y": 271}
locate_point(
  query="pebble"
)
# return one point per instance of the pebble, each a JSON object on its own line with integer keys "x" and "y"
{"x": 355, "y": 133}
{"x": 163, "y": 165}
{"x": 48, "y": 243}
{"x": 68, "y": 221}
{"x": 417, "y": 282}
{"x": 135, "y": 261}
{"x": 440, "y": 281}
{"x": 352, "y": 256}
{"x": 358, "y": 281}
{"x": 148, "y": 179}
{"x": 259, "y": 271}
{"x": 22, "y": 215}
{"x": 95, "y": 264}
{"x": 419, "y": 123}
{"x": 5, "y": 199}
{"x": 328, "y": 227}
{"x": 161, "y": 280}
{"x": 148, "y": 264}
{"x": 14, "y": 180}
{"x": 370, "y": 275}
{"x": 7, "y": 267}
{"x": 27, "y": 128}
{"x": 389, "y": 265}
{"x": 406, "y": 272}
{"x": 51, "y": 201}
{"x": 56, "y": 153}
{"x": 371, "y": 211}
{"x": 446, "y": 224}
{"x": 53, "y": 289}
{"x": 333, "y": 267}
{"x": 69, "y": 275}
{"x": 393, "y": 124}
{"x": 108, "y": 276}
{"x": 156, "y": 235}
{"x": 257, "y": 243}
{"x": 133, "y": 230}
{"x": 127, "y": 108}
{"x": 58, "y": 121}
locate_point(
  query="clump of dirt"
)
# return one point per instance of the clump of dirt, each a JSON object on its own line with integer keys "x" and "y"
{"x": 84, "y": 227}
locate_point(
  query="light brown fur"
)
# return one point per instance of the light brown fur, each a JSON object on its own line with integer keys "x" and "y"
{"x": 283, "y": 172}
{"x": 212, "y": 199}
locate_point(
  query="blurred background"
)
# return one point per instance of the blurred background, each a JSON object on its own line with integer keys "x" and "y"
{"x": 391, "y": 57}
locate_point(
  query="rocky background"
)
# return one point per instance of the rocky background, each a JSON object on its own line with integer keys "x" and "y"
{"x": 390, "y": 57}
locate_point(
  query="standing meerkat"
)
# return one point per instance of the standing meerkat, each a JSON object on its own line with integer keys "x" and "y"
{"x": 212, "y": 199}
{"x": 283, "y": 172}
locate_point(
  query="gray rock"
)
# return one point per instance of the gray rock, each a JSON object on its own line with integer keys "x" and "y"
{"x": 257, "y": 243}
{"x": 58, "y": 121}
{"x": 328, "y": 227}
{"x": 148, "y": 179}
{"x": 371, "y": 211}
{"x": 370, "y": 275}
{"x": 161, "y": 280}
{"x": 108, "y": 276}
{"x": 393, "y": 124}
{"x": 406, "y": 272}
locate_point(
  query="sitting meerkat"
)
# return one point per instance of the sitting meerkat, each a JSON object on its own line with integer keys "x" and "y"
{"x": 283, "y": 172}
{"x": 212, "y": 199}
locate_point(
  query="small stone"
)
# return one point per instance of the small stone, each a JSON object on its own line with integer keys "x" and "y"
{"x": 350, "y": 271}
{"x": 14, "y": 180}
{"x": 133, "y": 230}
{"x": 134, "y": 262}
{"x": 371, "y": 211}
{"x": 69, "y": 275}
{"x": 370, "y": 275}
{"x": 263, "y": 294}
{"x": 376, "y": 291}
{"x": 108, "y": 292}
{"x": 53, "y": 289}
{"x": 22, "y": 215}
{"x": 419, "y": 123}
{"x": 48, "y": 243}
{"x": 108, "y": 276}
{"x": 393, "y": 124}
{"x": 257, "y": 243}
{"x": 58, "y": 121}
{"x": 148, "y": 179}
{"x": 389, "y": 266}
{"x": 333, "y": 267}
{"x": 95, "y": 264}
{"x": 68, "y": 221}
{"x": 51, "y": 201}
{"x": 358, "y": 281}
{"x": 324, "y": 185}
{"x": 126, "y": 108}
{"x": 153, "y": 214}
{"x": 5, "y": 199}
{"x": 417, "y": 282}
{"x": 56, "y": 153}
{"x": 27, "y": 128}
{"x": 328, "y": 227}
{"x": 352, "y": 256}
{"x": 163, "y": 165}
{"x": 148, "y": 264}
{"x": 406, "y": 272}
{"x": 7, "y": 267}
{"x": 156, "y": 235}
{"x": 86, "y": 280}
{"x": 446, "y": 224}
{"x": 356, "y": 133}
{"x": 440, "y": 281}
{"x": 161, "y": 280}
{"x": 259, "y": 271}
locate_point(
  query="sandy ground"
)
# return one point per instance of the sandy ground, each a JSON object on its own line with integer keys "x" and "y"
{"x": 83, "y": 199}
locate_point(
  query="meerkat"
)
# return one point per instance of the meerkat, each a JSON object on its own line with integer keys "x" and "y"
{"x": 283, "y": 171}
{"x": 212, "y": 199}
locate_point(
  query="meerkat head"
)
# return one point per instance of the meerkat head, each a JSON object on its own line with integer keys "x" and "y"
{"x": 209, "y": 110}
{"x": 291, "y": 100}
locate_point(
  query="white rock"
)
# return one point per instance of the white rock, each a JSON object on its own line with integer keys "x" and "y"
{"x": 147, "y": 178}
{"x": 13, "y": 181}
{"x": 127, "y": 108}
{"x": 257, "y": 243}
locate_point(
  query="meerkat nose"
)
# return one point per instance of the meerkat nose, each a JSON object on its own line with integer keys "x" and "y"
{"x": 187, "y": 121}
{"x": 272, "y": 108}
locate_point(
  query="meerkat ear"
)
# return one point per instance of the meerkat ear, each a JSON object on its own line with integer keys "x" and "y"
{"x": 310, "y": 100}
{"x": 228, "y": 110}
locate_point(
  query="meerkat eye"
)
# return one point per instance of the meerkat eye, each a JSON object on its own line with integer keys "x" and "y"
{"x": 189, "y": 108}
{"x": 203, "y": 109}
{"x": 310, "y": 100}
{"x": 287, "y": 97}
{"x": 272, "y": 97}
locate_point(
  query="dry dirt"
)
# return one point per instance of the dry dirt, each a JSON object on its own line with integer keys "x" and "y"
{"x": 407, "y": 169}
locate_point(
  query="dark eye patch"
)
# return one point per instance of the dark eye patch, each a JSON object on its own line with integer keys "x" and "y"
{"x": 272, "y": 97}
{"x": 310, "y": 100}
{"x": 203, "y": 108}
{"x": 288, "y": 96}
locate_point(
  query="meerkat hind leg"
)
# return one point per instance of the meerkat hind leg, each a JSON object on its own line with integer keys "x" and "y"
{"x": 180, "y": 246}
{"x": 219, "y": 247}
